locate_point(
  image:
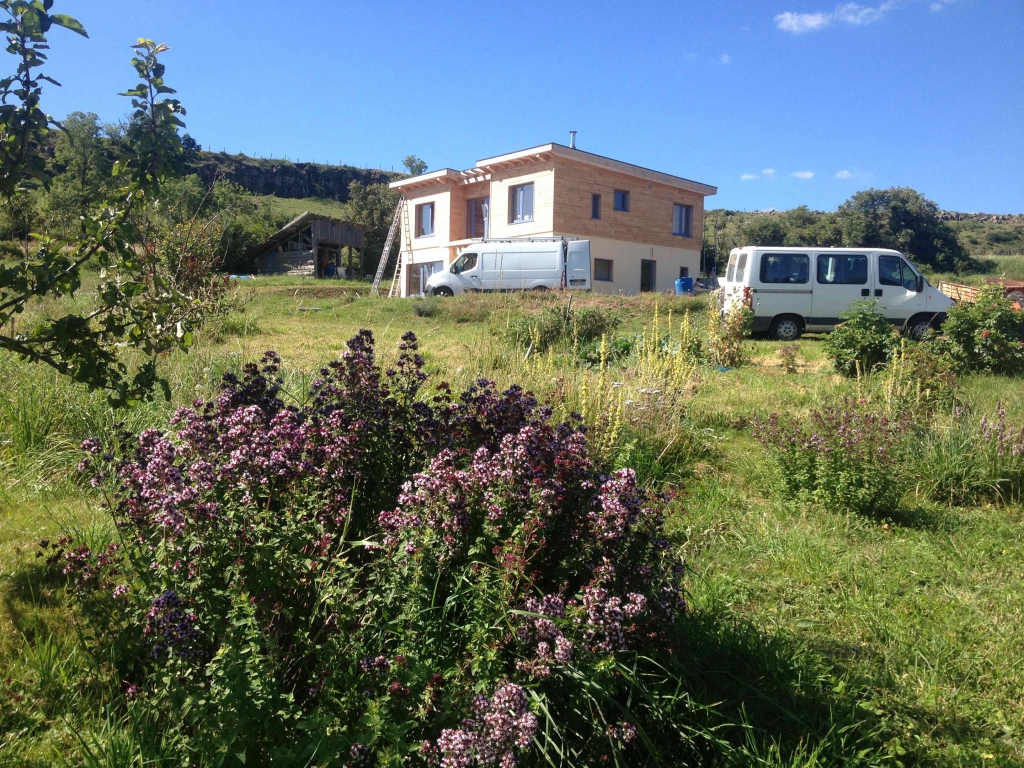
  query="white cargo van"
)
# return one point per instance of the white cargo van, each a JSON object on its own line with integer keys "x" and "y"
{"x": 515, "y": 265}
{"x": 793, "y": 290}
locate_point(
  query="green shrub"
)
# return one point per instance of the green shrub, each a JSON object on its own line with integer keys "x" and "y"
{"x": 554, "y": 325}
{"x": 986, "y": 336}
{"x": 862, "y": 342}
{"x": 844, "y": 457}
{"x": 428, "y": 307}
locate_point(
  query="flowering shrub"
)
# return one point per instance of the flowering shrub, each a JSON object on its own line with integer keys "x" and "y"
{"x": 987, "y": 335}
{"x": 845, "y": 457}
{"x": 726, "y": 333}
{"x": 381, "y": 576}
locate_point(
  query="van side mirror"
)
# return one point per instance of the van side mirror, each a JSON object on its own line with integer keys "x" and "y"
{"x": 920, "y": 284}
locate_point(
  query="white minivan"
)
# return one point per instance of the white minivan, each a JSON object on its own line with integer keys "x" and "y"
{"x": 515, "y": 265}
{"x": 793, "y": 290}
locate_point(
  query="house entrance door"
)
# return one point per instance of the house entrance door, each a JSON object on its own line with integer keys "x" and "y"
{"x": 647, "y": 275}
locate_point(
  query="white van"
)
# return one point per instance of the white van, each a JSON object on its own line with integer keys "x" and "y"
{"x": 515, "y": 265}
{"x": 793, "y": 290}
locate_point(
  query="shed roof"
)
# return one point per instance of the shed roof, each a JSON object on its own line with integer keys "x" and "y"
{"x": 294, "y": 227}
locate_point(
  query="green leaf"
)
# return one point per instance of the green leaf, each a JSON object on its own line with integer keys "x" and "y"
{"x": 69, "y": 22}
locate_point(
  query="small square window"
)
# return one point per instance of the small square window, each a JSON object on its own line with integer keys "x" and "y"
{"x": 595, "y": 206}
{"x": 684, "y": 271}
{"x": 621, "y": 200}
{"x": 520, "y": 203}
{"x": 682, "y": 218}
{"x": 425, "y": 220}
{"x": 603, "y": 270}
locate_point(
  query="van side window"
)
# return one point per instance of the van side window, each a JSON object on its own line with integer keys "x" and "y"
{"x": 785, "y": 268}
{"x": 731, "y": 272}
{"x": 741, "y": 268}
{"x": 842, "y": 269}
{"x": 909, "y": 277}
{"x": 464, "y": 263}
{"x": 889, "y": 270}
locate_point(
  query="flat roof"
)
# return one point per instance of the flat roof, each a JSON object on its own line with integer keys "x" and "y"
{"x": 546, "y": 152}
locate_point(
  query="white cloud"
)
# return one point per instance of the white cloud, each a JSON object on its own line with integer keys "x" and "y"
{"x": 691, "y": 56}
{"x": 847, "y": 13}
{"x": 724, "y": 58}
{"x": 768, "y": 171}
{"x": 803, "y": 175}
{"x": 749, "y": 176}
{"x": 940, "y": 4}
{"x": 844, "y": 174}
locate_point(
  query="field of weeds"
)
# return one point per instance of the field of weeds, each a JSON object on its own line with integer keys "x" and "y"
{"x": 818, "y": 632}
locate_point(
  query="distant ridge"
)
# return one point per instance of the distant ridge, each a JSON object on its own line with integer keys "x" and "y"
{"x": 284, "y": 178}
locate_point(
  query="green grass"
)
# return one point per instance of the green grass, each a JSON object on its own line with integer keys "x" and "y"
{"x": 816, "y": 635}
{"x": 292, "y": 208}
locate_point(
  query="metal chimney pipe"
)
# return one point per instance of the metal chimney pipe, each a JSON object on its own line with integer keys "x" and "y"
{"x": 572, "y": 139}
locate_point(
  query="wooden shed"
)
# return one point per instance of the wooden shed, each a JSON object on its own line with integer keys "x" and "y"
{"x": 310, "y": 245}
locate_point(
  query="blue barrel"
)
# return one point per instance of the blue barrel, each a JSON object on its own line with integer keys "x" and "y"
{"x": 684, "y": 285}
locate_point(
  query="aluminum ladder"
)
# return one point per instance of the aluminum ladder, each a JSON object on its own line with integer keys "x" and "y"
{"x": 385, "y": 255}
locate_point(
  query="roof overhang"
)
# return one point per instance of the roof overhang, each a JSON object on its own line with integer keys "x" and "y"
{"x": 424, "y": 180}
{"x": 295, "y": 226}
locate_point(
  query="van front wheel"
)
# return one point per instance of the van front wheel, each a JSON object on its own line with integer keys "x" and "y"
{"x": 785, "y": 328}
{"x": 443, "y": 290}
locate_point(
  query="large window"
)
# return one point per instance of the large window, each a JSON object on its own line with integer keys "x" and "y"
{"x": 476, "y": 217}
{"x": 621, "y": 200}
{"x": 892, "y": 270}
{"x": 682, "y": 219}
{"x": 520, "y": 203}
{"x": 595, "y": 206}
{"x": 603, "y": 270}
{"x": 842, "y": 269}
{"x": 425, "y": 220}
{"x": 785, "y": 268}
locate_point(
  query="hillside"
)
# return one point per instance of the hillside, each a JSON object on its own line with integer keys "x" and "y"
{"x": 285, "y": 179}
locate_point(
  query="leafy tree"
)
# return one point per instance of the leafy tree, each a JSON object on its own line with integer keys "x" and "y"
{"x": 903, "y": 219}
{"x": 415, "y": 165}
{"x": 81, "y": 154}
{"x": 138, "y": 306}
{"x": 372, "y": 207}
{"x": 765, "y": 229}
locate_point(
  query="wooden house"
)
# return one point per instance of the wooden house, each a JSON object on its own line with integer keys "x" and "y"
{"x": 311, "y": 245}
{"x": 645, "y": 227}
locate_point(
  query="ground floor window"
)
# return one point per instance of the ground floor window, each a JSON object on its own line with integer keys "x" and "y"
{"x": 647, "y": 275}
{"x": 603, "y": 269}
{"x": 684, "y": 271}
{"x": 420, "y": 273}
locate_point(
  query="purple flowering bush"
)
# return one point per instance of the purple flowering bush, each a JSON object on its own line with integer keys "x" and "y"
{"x": 383, "y": 576}
{"x": 845, "y": 457}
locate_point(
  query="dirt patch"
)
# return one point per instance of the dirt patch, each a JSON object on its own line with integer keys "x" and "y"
{"x": 314, "y": 292}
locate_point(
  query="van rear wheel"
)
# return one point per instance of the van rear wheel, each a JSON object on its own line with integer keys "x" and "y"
{"x": 785, "y": 328}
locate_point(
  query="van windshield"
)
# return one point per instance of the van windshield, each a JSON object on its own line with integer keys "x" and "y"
{"x": 464, "y": 263}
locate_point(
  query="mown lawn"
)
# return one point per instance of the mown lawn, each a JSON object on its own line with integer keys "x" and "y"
{"x": 824, "y": 637}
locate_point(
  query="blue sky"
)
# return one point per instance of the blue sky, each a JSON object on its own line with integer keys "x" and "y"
{"x": 777, "y": 102}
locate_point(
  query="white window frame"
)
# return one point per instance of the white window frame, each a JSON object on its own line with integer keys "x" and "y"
{"x": 517, "y": 198}
{"x": 421, "y": 231}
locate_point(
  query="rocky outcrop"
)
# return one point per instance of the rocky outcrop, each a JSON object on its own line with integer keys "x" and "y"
{"x": 286, "y": 179}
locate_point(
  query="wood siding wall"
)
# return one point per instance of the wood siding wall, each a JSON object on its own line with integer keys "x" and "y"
{"x": 297, "y": 263}
{"x": 649, "y": 219}
{"x": 325, "y": 231}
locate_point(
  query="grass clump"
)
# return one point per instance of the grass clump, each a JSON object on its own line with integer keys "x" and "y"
{"x": 554, "y": 326}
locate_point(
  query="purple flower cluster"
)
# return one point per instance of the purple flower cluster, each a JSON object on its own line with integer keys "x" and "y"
{"x": 501, "y": 726}
{"x": 171, "y": 630}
